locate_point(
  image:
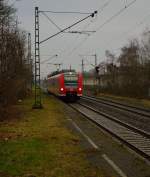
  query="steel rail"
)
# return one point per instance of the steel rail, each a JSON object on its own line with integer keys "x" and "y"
{"x": 135, "y": 129}
{"x": 136, "y": 139}
{"x": 121, "y": 106}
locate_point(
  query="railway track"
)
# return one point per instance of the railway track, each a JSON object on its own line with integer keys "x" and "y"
{"x": 137, "y": 139}
{"x": 137, "y": 110}
{"x": 138, "y": 119}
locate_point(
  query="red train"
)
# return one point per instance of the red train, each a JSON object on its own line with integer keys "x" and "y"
{"x": 66, "y": 85}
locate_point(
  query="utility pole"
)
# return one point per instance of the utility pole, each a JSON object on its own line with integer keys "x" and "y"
{"x": 96, "y": 76}
{"x": 37, "y": 103}
{"x": 95, "y": 60}
{"x": 82, "y": 65}
{"x": 29, "y": 48}
{"x": 93, "y": 55}
{"x": 30, "y": 59}
{"x": 58, "y": 65}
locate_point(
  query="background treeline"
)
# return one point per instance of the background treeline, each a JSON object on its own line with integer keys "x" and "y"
{"x": 129, "y": 73}
{"x": 15, "y": 67}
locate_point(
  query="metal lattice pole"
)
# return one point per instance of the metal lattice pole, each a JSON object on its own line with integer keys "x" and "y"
{"x": 37, "y": 103}
{"x": 30, "y": 60}
{"x": 29, "y": 47}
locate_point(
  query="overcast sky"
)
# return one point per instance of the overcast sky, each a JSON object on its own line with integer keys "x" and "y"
{"x": 111, "y": 36}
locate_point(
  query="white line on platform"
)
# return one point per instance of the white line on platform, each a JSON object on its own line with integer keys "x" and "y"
{"x": 88, "y": 139}
{"x": 109, "y": 161}
{"x": 115, "y": 167}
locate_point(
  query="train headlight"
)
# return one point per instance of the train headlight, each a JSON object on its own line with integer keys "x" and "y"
{"x": 80, "y": 89}
{"x": 62, "y": 89}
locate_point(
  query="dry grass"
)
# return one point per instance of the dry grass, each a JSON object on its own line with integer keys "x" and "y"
{"x": 38, "y": 144}
{"x": 133, "y": 101}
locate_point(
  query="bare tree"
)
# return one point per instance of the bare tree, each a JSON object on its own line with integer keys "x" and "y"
{"x": 14, "y": 70}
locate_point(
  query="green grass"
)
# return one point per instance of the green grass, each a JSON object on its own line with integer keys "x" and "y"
{"x": 38, "y": 143}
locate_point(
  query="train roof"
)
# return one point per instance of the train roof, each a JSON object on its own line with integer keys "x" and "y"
{"x": 60, "y": 72}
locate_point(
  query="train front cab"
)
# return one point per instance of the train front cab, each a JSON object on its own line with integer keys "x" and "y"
{"x": 72, "y": 88}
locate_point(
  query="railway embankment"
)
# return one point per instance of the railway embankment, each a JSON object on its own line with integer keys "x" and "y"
{"x": 38, "y": 143}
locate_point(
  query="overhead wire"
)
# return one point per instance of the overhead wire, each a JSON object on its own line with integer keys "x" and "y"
{"x": 136, "y": 25}
{"x": 104, "y": 5}
{"x": 76, "y": 12}
{"x": 60, "y": 12}
{"x": 106, "y": 22}
{"x": 101, "y": 8}
{"x": 133, "y": 28}
{"x": 74, "y": 24}
{"x": 89, "y": 63}
{"x": 60, "y": 29}
{"x": 76, "y": 47}
{"x": 116, "y": 14}
{"x": 43, "y": 13}
{"x": 70, "y": 44}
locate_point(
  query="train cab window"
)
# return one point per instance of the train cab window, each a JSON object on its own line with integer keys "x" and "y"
{"x": 71, "y": 79}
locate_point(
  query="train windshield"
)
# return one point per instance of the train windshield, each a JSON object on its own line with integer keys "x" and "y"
{"x": 71, "y": 79}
